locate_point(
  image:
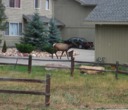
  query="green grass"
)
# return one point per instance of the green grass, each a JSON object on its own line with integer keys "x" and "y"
{"x": 82, "y": 92}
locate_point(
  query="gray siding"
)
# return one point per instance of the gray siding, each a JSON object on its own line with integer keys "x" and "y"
{"x": 72, "y": 14}
{"x": 111, "y": 42}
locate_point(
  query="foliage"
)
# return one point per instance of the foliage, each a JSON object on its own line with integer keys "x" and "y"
{"x": 2, "y": 19}
{"x": 54, "y": 33}
{"x": 53, "y": 37}
{"x": 35, "y": 32}
{"x": 4, "y": 48}
{"x": 49, "y": 48}
{"x": 25, "y": 48}
{"x": 2, "y": 16}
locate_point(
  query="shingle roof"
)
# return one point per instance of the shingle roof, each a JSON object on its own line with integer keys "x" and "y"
{"x": 30, "y": 17}
{"x": 44, "y": 19}
{"x": 110, "y": 11}
{"x": 90, "y": 2}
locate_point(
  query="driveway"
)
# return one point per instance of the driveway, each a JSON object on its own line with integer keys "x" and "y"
{"x": 81, "y": 55}
{"x": 84, "y": 55}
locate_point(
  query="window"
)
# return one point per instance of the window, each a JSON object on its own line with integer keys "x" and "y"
{"x": 47, "y": 5}
{"x": 14, "y": 3}
{"x": 14, "y": 29}
{"x": 37, "y": 3}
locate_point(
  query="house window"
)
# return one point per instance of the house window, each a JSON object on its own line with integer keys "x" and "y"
{"x": 47, "y": 5}
{"x": 37, "y": 3}
{"x": 14, "y": 3}
{"x": 14, "y": 29}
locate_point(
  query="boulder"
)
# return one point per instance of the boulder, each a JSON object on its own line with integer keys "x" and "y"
{"x": 91, "y": 69}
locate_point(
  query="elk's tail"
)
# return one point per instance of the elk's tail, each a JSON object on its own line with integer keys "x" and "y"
{"x": 54, "y": 44}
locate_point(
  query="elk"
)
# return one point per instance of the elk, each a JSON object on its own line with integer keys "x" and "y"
{"x": 62, "y": 47}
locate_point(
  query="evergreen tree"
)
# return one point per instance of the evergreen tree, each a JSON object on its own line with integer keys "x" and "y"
{"x": 54, "y": 33}
{"x": 4, "y": 48}
{"x": 53, "y": 37}
{"x": 35, "y": 32}
{"x": 2, "y": 17}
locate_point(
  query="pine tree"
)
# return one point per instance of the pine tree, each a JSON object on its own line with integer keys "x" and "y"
{"x": 53, "y": 37}
{"x": 4, "y": 48}
{"x": 54, "y": 33}
{"x": 35, "y": 32}
{"x": 2, "y": 17}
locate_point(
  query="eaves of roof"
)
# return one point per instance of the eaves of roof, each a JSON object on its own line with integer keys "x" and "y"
{"x": 109, "y": 12}
{"x": 90, "y": 2}
{"x": 44, "y": 19}
{"x": 105, "y": 23}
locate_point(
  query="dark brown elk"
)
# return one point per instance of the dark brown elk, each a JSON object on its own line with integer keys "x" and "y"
{"x": 62, "y": 47}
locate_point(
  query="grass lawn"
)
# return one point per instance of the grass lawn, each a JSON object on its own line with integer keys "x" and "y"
{"x": 82, "y": 92}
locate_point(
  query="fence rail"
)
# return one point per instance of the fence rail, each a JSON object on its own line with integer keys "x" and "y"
{"x": 23, "y": 80}
{"x": 47, "y": 81}
{"x": 46, "y": 93}
{"x": 72, "y": 67}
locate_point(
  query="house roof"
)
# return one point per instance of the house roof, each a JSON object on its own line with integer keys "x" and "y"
{"x": 112, "y": 11}
{"x": 90, "y": 2}
{"x": 44, "y": 19}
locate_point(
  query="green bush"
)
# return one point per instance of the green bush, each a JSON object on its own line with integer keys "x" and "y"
{"x": 4, "y": 48}
{"x": 49, "y": 48}
{"x": 25, "y": 48}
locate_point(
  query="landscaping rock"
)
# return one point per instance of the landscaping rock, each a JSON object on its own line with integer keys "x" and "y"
{"x": 14, "y": 52}
{"x": 93, "y": 69}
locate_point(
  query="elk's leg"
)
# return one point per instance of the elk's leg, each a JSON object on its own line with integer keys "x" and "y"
{"x": 52, "y": 55}
{"x": 56, "y": 55}
{"x": 67, "y": 55}
{"x": 61, "y": 54}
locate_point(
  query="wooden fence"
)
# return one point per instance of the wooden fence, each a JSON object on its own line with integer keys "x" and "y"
{"x": 73, "y": 63}
{"x": 47, "y": 87}
{"x": 46, "y": 93}
{"x": 116, "y": 66}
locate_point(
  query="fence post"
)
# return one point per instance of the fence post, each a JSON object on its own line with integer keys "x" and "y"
{"x": 47, "y": 90}
{"x": 72, "y": 66}
{"x": 70, "y": 54}
{"x": 29, "y": 63}
{"x": 116, "y": 73}
{"x": 16, "y": 63}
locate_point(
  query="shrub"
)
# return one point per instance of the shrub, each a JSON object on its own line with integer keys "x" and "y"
{"x": 25, "y": 48}
{"x": 49, "y": 48}
{"x": 4, "y": 48}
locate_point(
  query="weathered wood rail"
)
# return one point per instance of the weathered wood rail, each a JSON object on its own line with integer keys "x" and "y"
{"x": 73, "y": 62}
{"x": 115, "y": 65}
{"x": 46, "y": 93}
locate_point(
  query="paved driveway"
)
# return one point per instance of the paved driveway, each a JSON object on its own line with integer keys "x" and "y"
{"x": 82, "y": 55}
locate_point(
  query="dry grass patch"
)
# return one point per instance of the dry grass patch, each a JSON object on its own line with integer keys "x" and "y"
{"x": 82, "y": 92}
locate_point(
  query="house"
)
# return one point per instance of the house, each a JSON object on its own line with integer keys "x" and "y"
{"x": 69, "y": 16}
{"x": 19, "y": 12}
{"x": 111, "y": 26}
{"x": 72, "y": 14}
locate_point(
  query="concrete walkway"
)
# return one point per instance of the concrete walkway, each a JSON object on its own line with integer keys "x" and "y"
{"x": 83, "y": 55}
